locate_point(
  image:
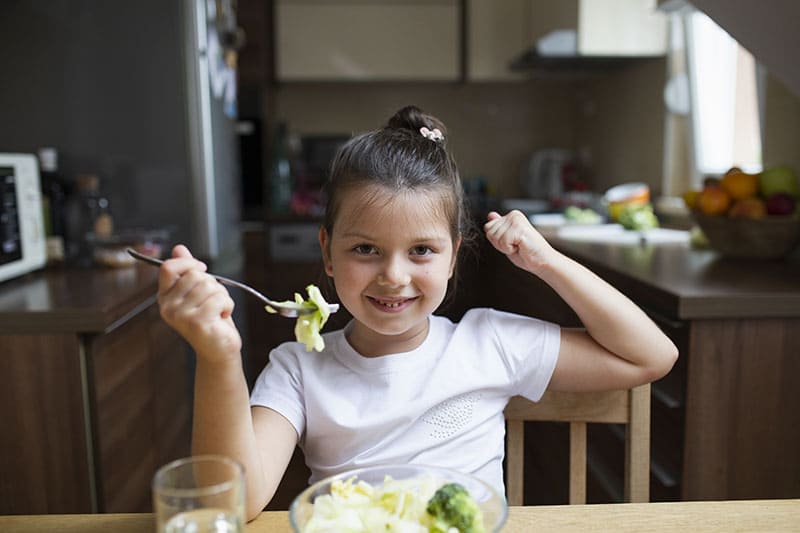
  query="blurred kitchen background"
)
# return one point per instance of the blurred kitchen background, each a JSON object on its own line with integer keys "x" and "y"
{"x": 543, "y": 98}
{"x": 213, "y": 121}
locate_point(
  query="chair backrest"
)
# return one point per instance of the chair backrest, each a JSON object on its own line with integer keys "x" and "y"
{"x": 630, "y": 407}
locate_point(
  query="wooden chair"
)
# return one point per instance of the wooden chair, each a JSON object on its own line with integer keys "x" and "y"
{"x": 630, "y": 407}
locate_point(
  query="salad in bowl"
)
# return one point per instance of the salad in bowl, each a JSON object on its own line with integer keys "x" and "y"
{"x": 400, "y": 498}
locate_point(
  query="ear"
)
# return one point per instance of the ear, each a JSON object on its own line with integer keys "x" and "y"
{"x": 454, "y": 259}
{"x": 325, "y": 246}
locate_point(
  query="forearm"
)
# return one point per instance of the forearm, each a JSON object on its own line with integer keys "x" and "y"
{"x": 222, "y": 424}
{"x": 621, "y": 347}
{"x": 610, "y": 318}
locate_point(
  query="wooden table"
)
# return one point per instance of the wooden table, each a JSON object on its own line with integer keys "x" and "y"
{"x": 741, "y": 515}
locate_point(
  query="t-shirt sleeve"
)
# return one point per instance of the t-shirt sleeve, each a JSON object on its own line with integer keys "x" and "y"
{"x": 279, "y": 387}
{"x": 529, "y": 347}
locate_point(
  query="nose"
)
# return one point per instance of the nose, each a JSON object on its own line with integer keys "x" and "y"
{"x": 394, "y": 273}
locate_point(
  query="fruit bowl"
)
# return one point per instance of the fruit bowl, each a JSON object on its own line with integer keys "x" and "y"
{"x": 770, "y": 237}
{"x": 492, "y": 504}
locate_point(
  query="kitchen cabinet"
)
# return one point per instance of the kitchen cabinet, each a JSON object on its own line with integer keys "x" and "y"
{"x": 97, "y": 391}
{"x": 621, "y": 28}
{"x": 429, "y": 40}
{"x": 367, "y": 41}
{"x": 722, "y": 419}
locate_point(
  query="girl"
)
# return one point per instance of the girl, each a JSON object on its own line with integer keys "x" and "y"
{"x": 399, "y": 384}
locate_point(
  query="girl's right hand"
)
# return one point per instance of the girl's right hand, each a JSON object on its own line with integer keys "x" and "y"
{"x": 198, "y": 307}
{"x": 514, "y": 235}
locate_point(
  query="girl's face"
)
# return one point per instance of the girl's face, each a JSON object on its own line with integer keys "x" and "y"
{"x": 390, "y": 256}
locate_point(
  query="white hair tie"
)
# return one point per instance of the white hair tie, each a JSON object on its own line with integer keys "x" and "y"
{"x": 434, "y": 135}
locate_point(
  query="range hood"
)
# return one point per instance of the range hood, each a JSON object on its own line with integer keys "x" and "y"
{"x": 558, "y": 51}
{"x": 607, "y": 34}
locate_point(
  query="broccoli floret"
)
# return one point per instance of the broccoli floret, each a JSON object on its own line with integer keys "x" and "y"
{"x": 452, "y": 507}
{"x": 638, "y": 217}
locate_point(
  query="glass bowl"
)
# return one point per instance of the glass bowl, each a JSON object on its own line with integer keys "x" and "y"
{"x": 493, "y": 505}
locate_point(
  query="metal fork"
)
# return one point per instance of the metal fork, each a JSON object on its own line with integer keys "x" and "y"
{"x": 287, "y": 309}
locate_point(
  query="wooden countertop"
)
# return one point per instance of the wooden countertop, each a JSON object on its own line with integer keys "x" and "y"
{"x": 740, "y": 515}
{"x": 75, "y": 300}
{"x": 679, "y": 281}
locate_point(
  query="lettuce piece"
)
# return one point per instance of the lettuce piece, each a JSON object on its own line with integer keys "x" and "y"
{"x": 308, "y": 326}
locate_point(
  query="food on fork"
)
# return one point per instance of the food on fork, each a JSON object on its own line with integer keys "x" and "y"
{"x": 308, "y": 326}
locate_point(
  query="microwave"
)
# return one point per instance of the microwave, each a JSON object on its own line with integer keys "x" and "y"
{"x": 23, "y": 245}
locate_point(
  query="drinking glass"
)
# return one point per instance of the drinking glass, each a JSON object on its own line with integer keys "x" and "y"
{"x": 200, "y": 494}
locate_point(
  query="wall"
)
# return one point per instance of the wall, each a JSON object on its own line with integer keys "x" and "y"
{"x": 621, "y": 123}
{"x": 493, "y": 127}
{"x": 781, "y": 125}
{"x": 85, "y": 78}
{"x": 616, "y": 119}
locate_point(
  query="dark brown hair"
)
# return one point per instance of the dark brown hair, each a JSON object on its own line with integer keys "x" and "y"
{"x": 399, "y": 158}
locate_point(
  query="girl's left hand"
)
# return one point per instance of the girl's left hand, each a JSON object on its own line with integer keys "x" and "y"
{"x": 515, "y": 236}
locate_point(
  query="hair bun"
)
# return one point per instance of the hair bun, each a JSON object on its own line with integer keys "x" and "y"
{"x": 413, "y": 118}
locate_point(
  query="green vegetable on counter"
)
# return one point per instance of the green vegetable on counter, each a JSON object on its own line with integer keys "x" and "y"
{"x": 638, "y": 217}
{"x": 582, "y": 216}
{"x": 308, "y": 326}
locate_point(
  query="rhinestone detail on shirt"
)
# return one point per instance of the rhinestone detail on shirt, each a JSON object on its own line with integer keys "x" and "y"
{"x": 451, "y": 415}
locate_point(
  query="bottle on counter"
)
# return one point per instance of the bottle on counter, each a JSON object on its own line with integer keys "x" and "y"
{"x": 280, "y": 174}
{"x": 53, "y": 204}
{"x": 88, "y": 219}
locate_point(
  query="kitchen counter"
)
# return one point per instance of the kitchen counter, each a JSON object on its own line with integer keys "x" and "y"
{"x": 686, "y": 283}
{"x": 752, "y": 516}
{"x": 75, "y": 300}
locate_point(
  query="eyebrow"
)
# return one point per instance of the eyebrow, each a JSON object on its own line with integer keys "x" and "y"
{"x": 364, "y": 236}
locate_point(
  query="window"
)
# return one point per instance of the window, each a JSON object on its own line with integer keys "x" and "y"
{"x": 713, "y": 103}
{"x": 722, "y": 87}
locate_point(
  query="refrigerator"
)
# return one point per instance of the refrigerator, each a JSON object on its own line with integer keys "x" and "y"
{"x": 141, "y": 93}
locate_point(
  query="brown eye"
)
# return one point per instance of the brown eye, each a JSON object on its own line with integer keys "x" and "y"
{"x": 364, "y": 249}
{"x": 422, "y": 250}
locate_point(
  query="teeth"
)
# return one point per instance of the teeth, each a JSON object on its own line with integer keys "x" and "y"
{"x": 390, "y": 304}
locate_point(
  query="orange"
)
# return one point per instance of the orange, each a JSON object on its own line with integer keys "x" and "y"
{"x": 740, "y": 185}
{"x": 748, "y": 208}
{"x": 690, "y": 198}
{"x": 713, "y": 200}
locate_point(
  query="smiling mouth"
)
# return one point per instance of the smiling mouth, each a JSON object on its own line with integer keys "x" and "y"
{"x": 391, "y": 304}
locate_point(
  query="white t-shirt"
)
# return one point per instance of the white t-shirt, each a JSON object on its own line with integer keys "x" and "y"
{"x": 439, "y": 404}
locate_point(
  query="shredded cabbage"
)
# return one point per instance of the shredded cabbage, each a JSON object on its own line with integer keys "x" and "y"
{"x": 308, "y": 326}
{"x": 358, "y": 507}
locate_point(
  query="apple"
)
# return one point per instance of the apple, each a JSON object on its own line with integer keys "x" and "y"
{"x": 778, "y": 179}
{"x": 780, "y": 203}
